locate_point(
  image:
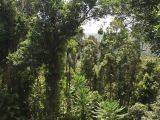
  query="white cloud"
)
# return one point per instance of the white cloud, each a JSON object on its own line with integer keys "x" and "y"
{"x": 92, "y": 26}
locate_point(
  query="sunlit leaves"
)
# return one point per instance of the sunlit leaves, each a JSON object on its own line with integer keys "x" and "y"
{"x": 109, "y": 110}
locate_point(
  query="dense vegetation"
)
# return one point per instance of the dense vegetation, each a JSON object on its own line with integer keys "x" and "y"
{"x": 50, "y": 70}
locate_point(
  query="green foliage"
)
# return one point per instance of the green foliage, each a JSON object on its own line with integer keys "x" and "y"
{"x": 9, "y": 105}
{"x": 154, "y": 112}
{"x": 136, "y": 111}
{"x": 146, "y": 16}
{"x": 148, "y": 85}
{"x": 119, "y": 61}
{"x": 57, "y": 22}
{"x": 90, "y": 58}
{"x": 100, "y": 31}
{"x": 109, "y": 110}
{"x": 147, "y": 89}
{"x": 20, "y": 57}
{"x": 12, "y": 28}
{"x": 39, "y": 38}
{"x": 84, "y": 100}
{"x": 156, "y": 108}
{"x": 37, "y": 97}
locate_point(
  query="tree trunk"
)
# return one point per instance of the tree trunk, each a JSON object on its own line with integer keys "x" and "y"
{"x": 52, "y": 80}
{"x": 68, "y": 80}
{"x": 53, "y": 77}
{"x": 7, "y": 76}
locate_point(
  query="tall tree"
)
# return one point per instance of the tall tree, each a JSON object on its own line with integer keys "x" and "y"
{"x": 57, "y": 22}
{"x": 12, "y": 30}
{"x": 145, "y": 14}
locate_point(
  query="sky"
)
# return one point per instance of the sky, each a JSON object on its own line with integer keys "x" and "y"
{"x": 92, "y": 26}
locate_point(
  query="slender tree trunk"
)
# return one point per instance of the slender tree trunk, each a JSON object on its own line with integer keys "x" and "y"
{"x": 68, "y": 80}
{"x": 110, "y": 89}
{"x": 133, "y": 78}
{"x": 95, "y": 82}
{"x": 98, "y": 84}
{"x": 6, "y": 76}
